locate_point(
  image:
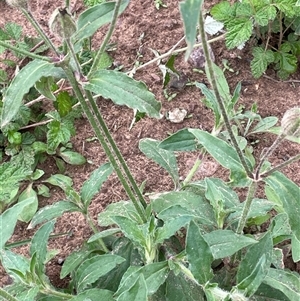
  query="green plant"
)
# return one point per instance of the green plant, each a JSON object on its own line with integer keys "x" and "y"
{"x": 187, "y": 244}
{"x": 271, "y": 26}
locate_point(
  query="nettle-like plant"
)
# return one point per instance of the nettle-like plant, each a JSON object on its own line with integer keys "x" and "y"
{"x": 192, "y": 243}
{"x": 271, "y": 26}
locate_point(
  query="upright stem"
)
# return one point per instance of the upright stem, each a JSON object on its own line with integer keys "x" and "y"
{"x": 218, "y": 96}
{"x": 269, "y": 151}
{"x": 38, "y": 28}
{"x": 279, "y": 166}
{"x": 106, "y": 39}
{"x": 247, "y": 205}
{"x": 115, "y": 149}
{"x": 99, "y": 135}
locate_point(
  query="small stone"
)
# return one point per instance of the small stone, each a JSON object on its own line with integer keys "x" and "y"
{"x": 177, "y": 115}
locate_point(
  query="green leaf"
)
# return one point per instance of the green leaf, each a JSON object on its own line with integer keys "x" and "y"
{"x": 122, "y": 208}
{"x": 123, "y": 90}
{"x": 255, "y": 265}
{"x": 39, "y": 244}
{"x": 285, "y": 281}
{"x": 264, "y": 124}
{"x": 239, "y": 32}
{"x": 93, "y": 184}
{"x": 268, "y": 293}
{"x": 72, "y": 157}
{"x": 154, "y": 274}
{"x": 261, "y": 59}
{"x": 21, "y": 84}
{"x": 170, "y": 226}
{"x": 30, "y": 210}
{"x": 221, "y": 82}
{"x": 190, "y": 11}
{"x": 13, "y": 30}
{"x": 103, "y": 234}
{"x": 265, "y": 14}
{"x": 138, "y": 291}
{"x": 12, "y": 172}
{"x": 59, "y": 180}
{"x": 131, "y": 230}
{"x": 223, "y": 11}
{"x": 74, "y": 260}
{"x": 92, "y": 269}
{"x": 52, "y": 211}
{"x": 192, "y": 202}
{"x": 224, "y": 153}
{"x": 94, "y": 294}
{"x": 164, "y": 158}
{"x": 14, "y": 261}
{"x": 182, "y": 140}
{"x": 288, "y": 193}
{"x": 295, "y": 248}
{"x": 58, "y": 133}
{"x": 8, "y": 220}
{"x": 198, "y": 254}
{"x": 280, "y": 228}
{"x": 287, "y": 63}
{"x": 210, "y": 101}
{"x": 181, "y": 288}
{"x": 45, "y": 87}
{"x": 95, "y": 17}
{"x": 224, "y": 243}
{"x": 63, "y": 103}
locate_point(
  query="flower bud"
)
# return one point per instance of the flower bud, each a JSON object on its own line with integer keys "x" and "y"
{"x": 61, "y": 24}
{"x": 290, "y": 123}
{"x": 18, "y": 3}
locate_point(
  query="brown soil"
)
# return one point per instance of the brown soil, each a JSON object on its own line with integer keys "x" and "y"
{"x": 139, "y": 29}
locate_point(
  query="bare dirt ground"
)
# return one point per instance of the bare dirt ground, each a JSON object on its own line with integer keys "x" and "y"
{"x": 139, "y": 29}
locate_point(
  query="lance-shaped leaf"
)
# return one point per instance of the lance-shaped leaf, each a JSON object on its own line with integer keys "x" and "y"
{"x": 94, "y": 294}
{"x": 190, "y": 11}
{"x": 39, "y": 244}
{"x": 224, "y": 243}
{"x": 138, "y": 292}
{"x": 182, "y": 140}
{"x": 8, "y": 220}
{"x": 93, "y": 184}
{"x": 285, "y": 281}
{"x": 155, "y": 275}
{"x": 164, "y": 158}
{"x": 255, "y": 265}
{"x": 198, "y": 254}
{"x": 92, "y": 269}
{"x": 95, "y": 17}
{"x": 288, "y": 193}
{"x": 52, "y": 211}
{"x": 224, "y": 153}
{"x": 123, "y": 90}
{"x": 30, "y": 210}
{"x": 21, "y": 84}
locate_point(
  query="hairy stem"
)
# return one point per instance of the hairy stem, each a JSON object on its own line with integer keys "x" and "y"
{"x": 269, "y": 151}
{"x": 24, "y": 52}
{"x": 279, "y": 166}
{"x": 38, "y": 28}
{"x": 6, "y": 296}
{"x": 106, "y": 39}
{"x": 218, "y": 96}
{"x": 103, "y": 142}
{"x": 195, "y": 167}
{"x": 246, "y": 208}
{"x": 115, "y": 149}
